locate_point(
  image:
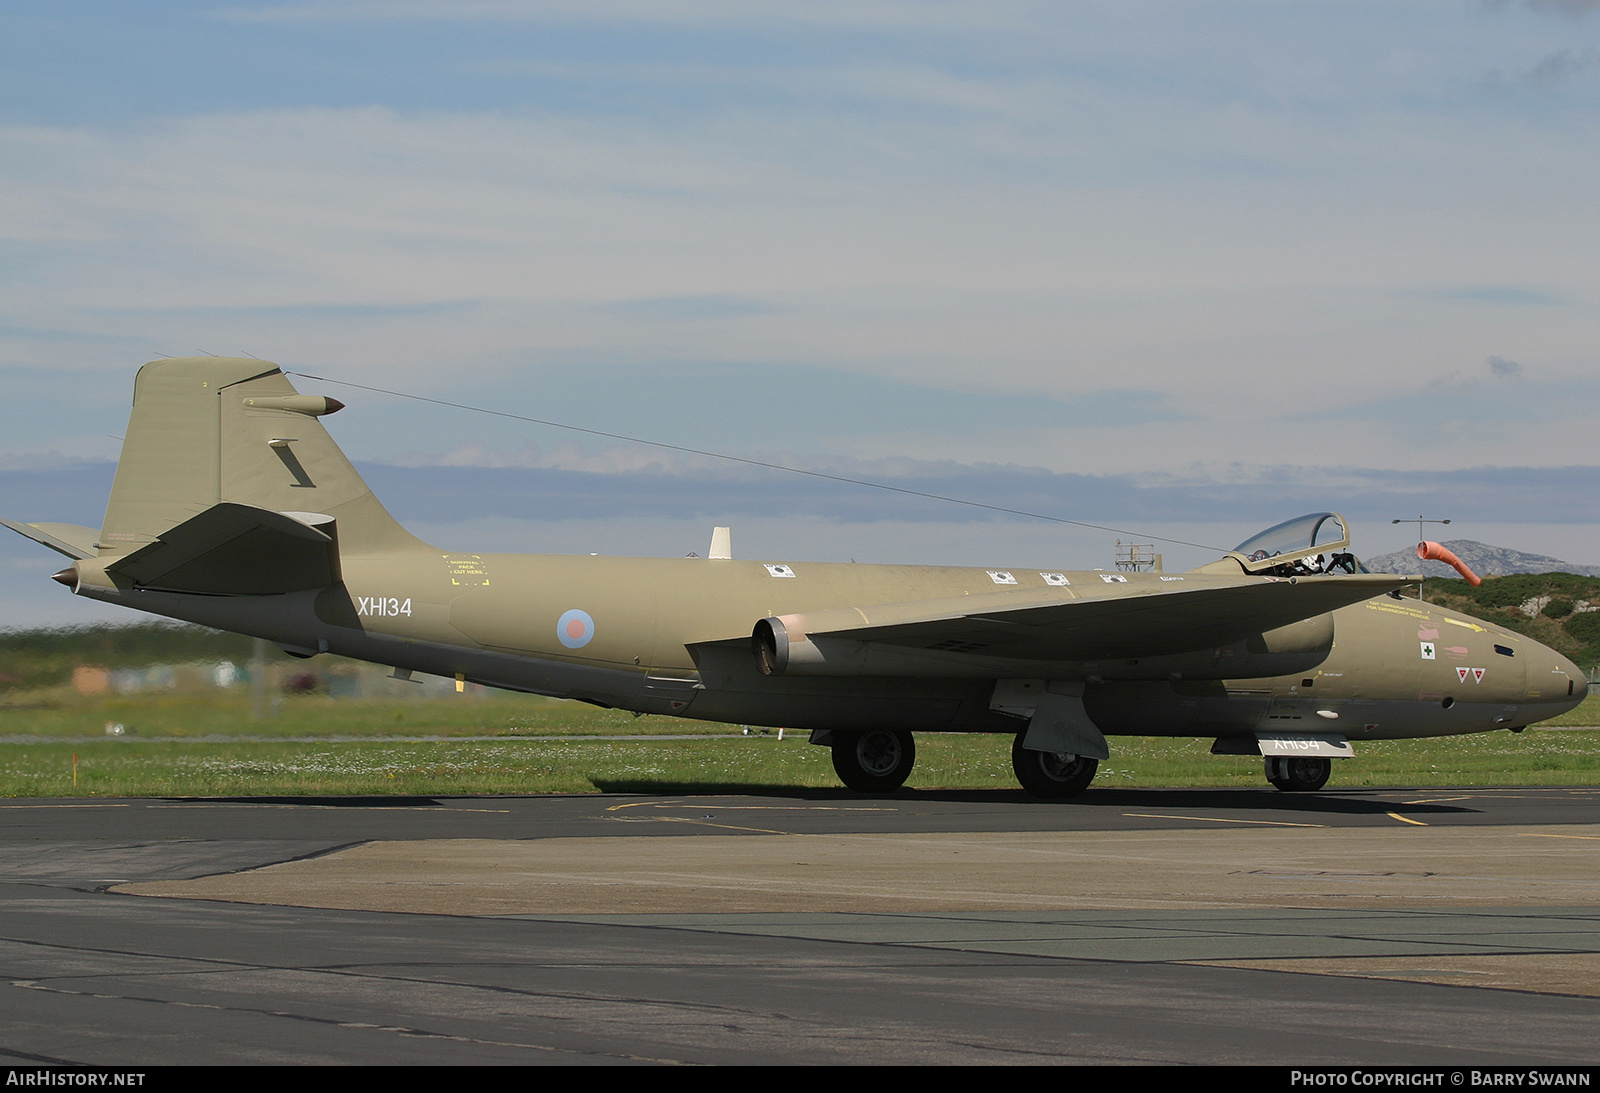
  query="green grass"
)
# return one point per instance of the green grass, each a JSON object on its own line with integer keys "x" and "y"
{"x": 208, "y": 745}
{"x": 731, "y": 763}
{"x": 60, "y": 713}
{"x": 1587, "y": 713}
{"x": 447, "y": 767}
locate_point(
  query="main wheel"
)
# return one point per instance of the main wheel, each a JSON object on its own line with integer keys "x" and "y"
{"x": 1297, "y": 774}
{"x": 875, "y": 761}
{"x": 1051, "y": 773}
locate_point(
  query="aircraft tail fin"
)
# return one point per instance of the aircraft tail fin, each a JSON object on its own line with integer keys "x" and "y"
{"x": 220, "y": 444}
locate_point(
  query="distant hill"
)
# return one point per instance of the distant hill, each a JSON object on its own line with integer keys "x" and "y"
{"x": 1485, "y": 560}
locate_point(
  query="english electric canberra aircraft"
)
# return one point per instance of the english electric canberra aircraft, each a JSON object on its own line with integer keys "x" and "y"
{"x": 233, "y": 508}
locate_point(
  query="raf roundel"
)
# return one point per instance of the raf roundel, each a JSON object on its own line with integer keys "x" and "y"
{"x": 575, "y": 629}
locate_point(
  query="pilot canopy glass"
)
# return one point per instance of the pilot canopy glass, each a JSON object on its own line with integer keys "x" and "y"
{"x": 1316, "y": 533}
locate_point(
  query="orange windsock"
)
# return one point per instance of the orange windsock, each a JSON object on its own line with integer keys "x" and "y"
{"x": 1434, "y": 552}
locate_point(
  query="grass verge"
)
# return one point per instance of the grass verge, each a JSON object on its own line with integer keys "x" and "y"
{"x": 186, "y": 768}
{"x": 61, "y": 714}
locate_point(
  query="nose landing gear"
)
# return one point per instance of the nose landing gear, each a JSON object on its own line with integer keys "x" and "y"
{"x": 1050, "y": 773}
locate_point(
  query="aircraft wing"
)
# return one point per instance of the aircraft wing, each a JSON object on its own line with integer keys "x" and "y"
{"x": 238, "y": 550}
{"x": 1141, "y": 619}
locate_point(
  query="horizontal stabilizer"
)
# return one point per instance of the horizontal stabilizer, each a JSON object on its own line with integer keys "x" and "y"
{"x": 238, "y": 550}
{"x": 70, "y": 539}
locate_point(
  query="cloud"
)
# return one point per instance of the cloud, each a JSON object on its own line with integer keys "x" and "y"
{"x": 1085, "y": 239}
{"x": 1572, "y": 9}
{"x": 1487, "y": 494}
{"x": 703, "y": 306}
{"x": 1557, "y": 67}
{"x": 752, "y": 407}
{"x": 1499, "y": 368}
{"x": 1575, "y": 9}
{"x": 1507, "y": 295}
{"x": 849, "y": 13}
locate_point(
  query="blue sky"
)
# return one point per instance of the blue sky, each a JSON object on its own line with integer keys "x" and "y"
{"x": 1121, "y": 244}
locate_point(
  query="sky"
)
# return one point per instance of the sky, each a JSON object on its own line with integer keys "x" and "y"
{"x": 1181, "y": 270}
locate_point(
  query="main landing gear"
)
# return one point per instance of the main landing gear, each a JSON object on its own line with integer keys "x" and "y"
{"x": 875, "y": 761}
{"x": 880, "y": 760}
{"x": 1051, "y": 773}
{"x": 1298, "y": 774}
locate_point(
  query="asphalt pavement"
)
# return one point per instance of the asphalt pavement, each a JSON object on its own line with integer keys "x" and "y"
{"x": 1366, "y": 927}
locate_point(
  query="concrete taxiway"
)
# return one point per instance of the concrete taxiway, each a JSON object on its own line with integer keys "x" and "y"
{"x": 1238, "y": 926}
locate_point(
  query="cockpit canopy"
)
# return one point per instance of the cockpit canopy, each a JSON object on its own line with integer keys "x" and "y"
{"x": 1315, "y": 543}
{"x": 1320, "y": 531}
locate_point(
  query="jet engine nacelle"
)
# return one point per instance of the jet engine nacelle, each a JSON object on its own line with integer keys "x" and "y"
{"x": 782, "y": 647}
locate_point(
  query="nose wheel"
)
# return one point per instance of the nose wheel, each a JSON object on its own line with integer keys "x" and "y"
{"x": 875, "y": 761}
{"x": 1294, "y": 774}
{"x": 1051, "y": 773}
